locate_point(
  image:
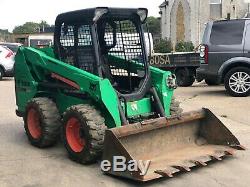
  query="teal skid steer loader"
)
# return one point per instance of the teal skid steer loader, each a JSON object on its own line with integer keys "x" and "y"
{"x": 95, "y": 87}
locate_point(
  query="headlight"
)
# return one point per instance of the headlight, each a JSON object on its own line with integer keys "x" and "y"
{"x": 99, "y": 12}
{"x": 202, "y": 54}
{"x": 171, "y": 81}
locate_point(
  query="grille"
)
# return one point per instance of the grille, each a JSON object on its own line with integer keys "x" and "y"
{"x": 67, "y": 44}
{"x": 128, "y": 47}
{"x": 85, "y": 49}
{"x": 77, "y": 47}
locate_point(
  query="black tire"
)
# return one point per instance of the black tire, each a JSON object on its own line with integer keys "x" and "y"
{"x": 211, "y": 82}
{"x": 1, "y": 73}
{"x": 86, "y": 145}
{"x": 232, "y": 89}
{"x": 184, "y": 78}
{"x": 42, "y": 122}
{"x": 175, "y": 109}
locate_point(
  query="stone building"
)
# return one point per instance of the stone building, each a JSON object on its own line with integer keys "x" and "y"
{"x": 184, "y": 20}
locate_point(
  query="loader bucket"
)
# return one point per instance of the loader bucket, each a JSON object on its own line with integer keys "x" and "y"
{"x": 172, "y": 145}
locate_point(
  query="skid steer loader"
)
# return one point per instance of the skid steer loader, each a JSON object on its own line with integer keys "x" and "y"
{"x": 95, "y": 87}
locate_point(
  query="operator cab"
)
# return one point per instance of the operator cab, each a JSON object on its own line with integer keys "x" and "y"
{"x": 107, "y": 42}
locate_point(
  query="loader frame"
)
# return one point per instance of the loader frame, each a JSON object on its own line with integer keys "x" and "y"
{"x": 30, "y": 84}
{"x": 56, "y": 74}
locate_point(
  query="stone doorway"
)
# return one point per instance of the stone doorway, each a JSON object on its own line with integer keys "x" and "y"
{"x": 180, "y": 27}
{"x": 180, "y": 21}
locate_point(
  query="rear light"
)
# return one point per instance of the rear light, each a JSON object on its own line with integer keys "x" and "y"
{"x": 204, "y": 53}
{"x": 10, "y": 54}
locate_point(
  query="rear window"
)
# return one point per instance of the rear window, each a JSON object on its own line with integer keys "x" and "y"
{"x": 13, "y": 48}
{"x": 227, "y": 32}
{"x": 205, "y": 34}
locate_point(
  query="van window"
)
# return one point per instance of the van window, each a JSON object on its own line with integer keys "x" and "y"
{"x": 205, "y": 34}
{"x": 227, "y": 32}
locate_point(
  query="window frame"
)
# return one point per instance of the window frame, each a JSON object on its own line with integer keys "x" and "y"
{"x": 214, "y": 3}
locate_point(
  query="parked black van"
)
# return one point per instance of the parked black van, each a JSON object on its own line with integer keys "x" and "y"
{"x": 225, "y": 56}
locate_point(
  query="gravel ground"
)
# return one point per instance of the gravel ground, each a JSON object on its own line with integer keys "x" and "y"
{"x": 24, "y": 165}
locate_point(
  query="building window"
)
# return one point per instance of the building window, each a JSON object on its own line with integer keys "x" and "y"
{"x": 215, "y": 9}
{"x": 215, "y": 2}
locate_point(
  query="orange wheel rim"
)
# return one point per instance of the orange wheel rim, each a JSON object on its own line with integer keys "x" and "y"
{"x": 74, "y": 135}
{"x": 34, "y": 125}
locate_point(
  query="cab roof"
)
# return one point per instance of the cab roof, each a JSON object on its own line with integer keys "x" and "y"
{"x": 89, "y": 14}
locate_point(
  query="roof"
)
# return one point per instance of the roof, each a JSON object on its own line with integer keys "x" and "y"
{"x": 231, "y": 20}
{"x": 247, "y": 15}
{"x": 164, "y": 4}
{"x": 88, "y": 14}
{"x": 33, "y": 34}
{"x": 7, "y": 43}
{"x": 47, "y": 29}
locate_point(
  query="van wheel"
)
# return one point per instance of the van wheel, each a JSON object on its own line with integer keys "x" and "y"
{"x": 184, "y": 78}
{"x": 1, "y": 73}
{"x": 237, "y": 82}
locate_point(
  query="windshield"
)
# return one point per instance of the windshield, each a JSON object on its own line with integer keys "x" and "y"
{"x": 121, "y": 41}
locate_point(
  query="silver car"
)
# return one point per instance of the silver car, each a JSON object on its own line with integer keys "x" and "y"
{"x": 6, "y": 62}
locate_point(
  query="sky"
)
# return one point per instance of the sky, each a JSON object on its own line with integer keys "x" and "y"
{"x": 17, "y": 12}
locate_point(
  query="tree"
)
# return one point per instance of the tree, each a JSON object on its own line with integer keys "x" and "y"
{"x": 4, "y": 31}
{"x": 184, "y": 46}
{"x": 5, "y": 35}
{"x": 163, "y": 46}
{"x": 30, "y": 27}
{"x": 43, "y": 24}
{"x": 154, "y": 25}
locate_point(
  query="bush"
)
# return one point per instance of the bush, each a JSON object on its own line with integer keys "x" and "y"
{"x": 163, "y": 46}
{"x": 154, "y": 26}
{"x": 184, "y": 46}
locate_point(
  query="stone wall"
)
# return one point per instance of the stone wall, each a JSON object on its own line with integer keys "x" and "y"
{"x": 193, "y": 16}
